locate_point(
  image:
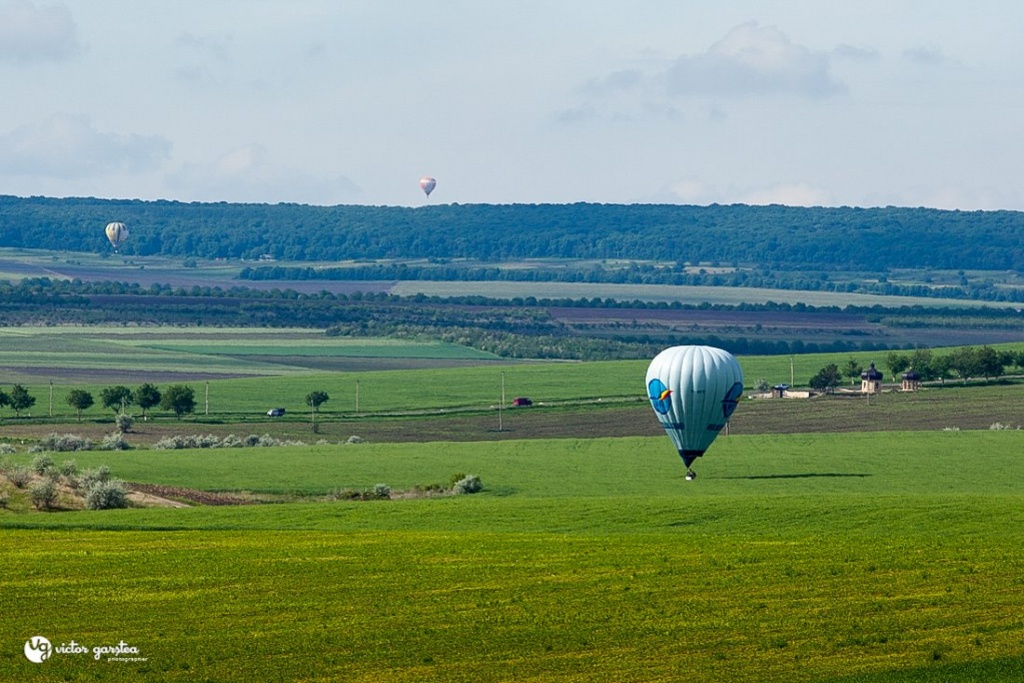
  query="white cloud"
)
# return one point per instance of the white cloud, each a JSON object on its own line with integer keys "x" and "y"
{"x": 856, "y": 54}
{"x": 36, "y": 34}
{"x": 248, "y": 174}
{"x": 754, "y": 60}
{"x": 696, "y": 191}
{"x": 218, "y": 47}
{"x": 625, "y": 79}
{"x": 749, "y": 60}
{"x": 67, "y": 146}
{"x": 692, "y": 191}
{"x": 794, "y": 194}
{"x": 927, "y": 55}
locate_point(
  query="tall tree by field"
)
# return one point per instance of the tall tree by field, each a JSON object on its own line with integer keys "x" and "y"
{"x": 80, "y": 400}
{"x": 180, "y": 399}
{"x": 922, "y": 363}
{"x": 116, "y": 398}
{"x": 852, "y": 370}
{"x": 897, "y": 362}
{"x": 964, "y": 362}
{"x": 20, "y": 399}
{"x": 147, "y": 396}
{"x": 989, "y": 362}
{"x": 315, "y": 399}
{"x": 827, "y": 379}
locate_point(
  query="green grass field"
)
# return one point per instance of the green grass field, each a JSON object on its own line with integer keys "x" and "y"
{"x": 817, "y": 557}
{"x": 96, "y": 357}
{"x": 852, "y": 558}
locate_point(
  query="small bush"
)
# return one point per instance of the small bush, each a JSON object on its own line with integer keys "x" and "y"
{"x": 19, "y": 476}
{"x": 90, "y": 477}
{"x": 379, "y": 492}
{"x": 106, "y": 495}
{"x": 43, "y": 494}
{"x": 42, "y": 463}
{"x": 124, "y": 423}
{"x": 63, "y": 443}
{"x": 68, "y": 468}
{"x": 7, "y": 449}
{"x": 354, "y": 439}
{"x": 169, "y": 443}
{"x": 468, "y": 484}
{"x": 114, "y": 442}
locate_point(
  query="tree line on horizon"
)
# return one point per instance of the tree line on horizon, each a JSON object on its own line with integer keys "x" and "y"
{"x": 774, "y": 236}
{"x": 635, "y": 274}
{"x": 522, "y": 327}
{"x": 962, "y": 363}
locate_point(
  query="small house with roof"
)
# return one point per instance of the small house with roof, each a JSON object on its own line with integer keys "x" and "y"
{"x": 911, "y": 380}
{"x": 871, "y": 380}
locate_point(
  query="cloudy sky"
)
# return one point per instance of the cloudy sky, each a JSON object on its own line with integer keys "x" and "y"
{"x": 802, "y": 102}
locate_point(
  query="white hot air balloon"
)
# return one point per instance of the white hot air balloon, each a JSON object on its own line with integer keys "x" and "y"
{"x": 694, "y": 391}
{"x": 427, "y": 184}
{"x": 117, "y": 233}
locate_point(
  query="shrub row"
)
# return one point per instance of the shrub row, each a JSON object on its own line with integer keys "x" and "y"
{"x": 230, "y": 441}
{"x": 68, "y": 443}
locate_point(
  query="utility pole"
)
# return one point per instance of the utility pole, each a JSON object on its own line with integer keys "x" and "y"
{"x": 501, "y": 405}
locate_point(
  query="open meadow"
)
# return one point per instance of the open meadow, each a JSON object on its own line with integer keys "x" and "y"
{"x": 837, "y": 539}
{"x": 859, "y": 557}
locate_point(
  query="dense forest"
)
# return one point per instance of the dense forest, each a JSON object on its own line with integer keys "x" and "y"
{"x": 822, "y": 239}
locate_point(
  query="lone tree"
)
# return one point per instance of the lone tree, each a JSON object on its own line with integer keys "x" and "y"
{"x": 80, "y": 400}
{"x": 20, "y": 399}
{"x": 116, "y": 398}
{"x": 989, "y": 362}
{"x": 147, "y": 396}
{"x": 897, "y": 363}
{"x": 180, "y": 399}
{"x": 964, "y": 362}
{"x": 852, "y": 370}
{"x": 827, "y": 379}
{"x": 5, "y": 400}
{"x": 315, "y": 399}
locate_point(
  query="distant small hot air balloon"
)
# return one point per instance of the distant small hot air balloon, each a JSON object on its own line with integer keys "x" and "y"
{"x": 694, "y": 391}
{"x": 117, "y": 233}
{"x": 427, "y": 184}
